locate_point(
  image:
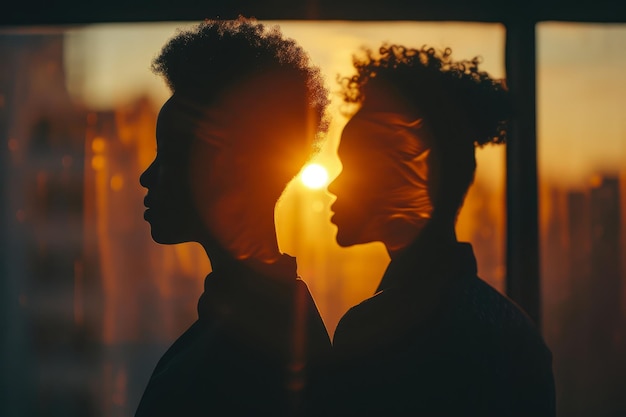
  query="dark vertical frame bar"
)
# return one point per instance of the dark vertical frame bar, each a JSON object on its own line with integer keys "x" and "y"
{"x": 12, "y": 354}
{"x": 522, "y": 263}
{"x": 6, "y": 285}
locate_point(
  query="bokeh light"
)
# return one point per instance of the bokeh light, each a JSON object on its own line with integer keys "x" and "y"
{"x": 314, "y": 176}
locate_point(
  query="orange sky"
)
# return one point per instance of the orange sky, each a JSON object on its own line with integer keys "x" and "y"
{"x": 109, "y": 64}
{"x": 581, "y": 75}
{"x": 581, "y": 86}
{"x": 581, "y": 100}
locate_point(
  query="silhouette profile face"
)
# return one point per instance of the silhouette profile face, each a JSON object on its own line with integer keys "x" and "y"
{"x": 358, "y": 187}
{"x": 170, "y": 209}
{"x": 382, "y": 192}
{"x": 216, "y": 177}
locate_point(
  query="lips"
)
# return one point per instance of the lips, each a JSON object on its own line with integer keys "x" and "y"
{"x": 334, "y": 214}
{"x": 147, "y": 201}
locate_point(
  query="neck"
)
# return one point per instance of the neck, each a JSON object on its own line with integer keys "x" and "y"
{"x": 218, "y": 256}
{"x": 432, "y": 235}
{"x": 243, "y": 238}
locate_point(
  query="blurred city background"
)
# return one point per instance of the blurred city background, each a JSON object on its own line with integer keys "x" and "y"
{"x": 90, "y": 302}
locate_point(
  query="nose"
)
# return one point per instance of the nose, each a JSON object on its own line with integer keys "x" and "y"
{"x": 334, "y": 185}
{"x": 147, "y": 177}
{"x": 331, "y": 187}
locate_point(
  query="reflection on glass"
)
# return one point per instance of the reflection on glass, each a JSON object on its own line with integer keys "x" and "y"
{"x": 93, "y": 300}
{"x": 582, "y": 149}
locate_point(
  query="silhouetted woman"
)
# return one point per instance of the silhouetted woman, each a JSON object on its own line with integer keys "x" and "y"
{"x": 244, "y": 112}
{"x": 435, "y": 339}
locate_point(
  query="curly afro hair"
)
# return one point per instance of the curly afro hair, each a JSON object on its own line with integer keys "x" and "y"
{"x": 464, "y": 107}
{"x": 203, "y": 62}
{"x": 446, "y": 91}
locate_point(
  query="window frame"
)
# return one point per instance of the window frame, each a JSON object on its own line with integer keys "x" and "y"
{"x": 519, "y": 20}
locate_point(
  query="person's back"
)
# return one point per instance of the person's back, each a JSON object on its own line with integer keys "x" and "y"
{"x": 451, "y": 346}
{"x": 242, "y": 357}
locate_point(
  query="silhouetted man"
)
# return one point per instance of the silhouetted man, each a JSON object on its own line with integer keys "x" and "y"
{"x": 245, "y": 110}
{"x": 435, "y": 340}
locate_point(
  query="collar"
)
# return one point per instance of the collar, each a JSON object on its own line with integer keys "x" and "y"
{"x": 238, "y": 283}
{"x": 423, "y": 262}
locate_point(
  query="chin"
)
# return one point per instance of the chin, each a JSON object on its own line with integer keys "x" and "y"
{"x": 166, "y": 237}
{"x": 165, "y": 231}
{"x": 357, "y": 234}
{"x": 346, "y": 239}
{"x": 346, "y": 236}
{"x": 159, "y": 238}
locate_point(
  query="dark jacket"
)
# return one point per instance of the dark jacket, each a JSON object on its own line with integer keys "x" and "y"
{"x": 252, "y": 352}
{"x": 438, "y": 341}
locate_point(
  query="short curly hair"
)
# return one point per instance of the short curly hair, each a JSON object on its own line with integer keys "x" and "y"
{"x": 439, "y": 86}
{"x": 464, "y": 107}
{"x": 205, "y": 61}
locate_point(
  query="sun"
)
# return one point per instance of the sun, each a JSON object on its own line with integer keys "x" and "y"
{"x": 314, "y": 176}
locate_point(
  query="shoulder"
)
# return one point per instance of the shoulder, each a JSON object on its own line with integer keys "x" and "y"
{"x": 368, "y": 309}
{"x": 379, "y": 319}
{"x": 497, "y": 329}
{"x": 480, "y": 306}
{"x": 519, "y": 359}
{"x": 494, "y": 321}
{"x": 351, "y": 322}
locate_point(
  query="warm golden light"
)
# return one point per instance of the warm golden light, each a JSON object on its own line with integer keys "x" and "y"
{"x": 97, "y": 162}
{"x": 98, "y": 144}
{"x": 314, "y": 176}
{"x": 117, "y": 182}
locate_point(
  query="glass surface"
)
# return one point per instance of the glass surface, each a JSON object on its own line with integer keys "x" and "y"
{"x": 581, "y": 80}
{"x": 92, "y": 301}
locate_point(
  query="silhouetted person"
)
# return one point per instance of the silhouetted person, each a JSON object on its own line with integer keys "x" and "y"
{"x": 435, "y": 340}
{"x": 243, "y": 117}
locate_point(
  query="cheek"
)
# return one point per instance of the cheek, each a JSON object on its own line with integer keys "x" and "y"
{"x": 213, "y": 178}
{"x": 205, "y": 171}
{"x": 369, "y": 187}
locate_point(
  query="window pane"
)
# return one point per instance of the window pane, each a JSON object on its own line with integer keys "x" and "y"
{"x": 93, "y": 301}
{"x": 582, "y": 155}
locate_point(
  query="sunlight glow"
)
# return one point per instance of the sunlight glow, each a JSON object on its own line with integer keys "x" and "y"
{"x": 314, "y": 176}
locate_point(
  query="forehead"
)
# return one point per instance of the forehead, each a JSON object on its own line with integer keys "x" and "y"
{"x": 367, "y": 129}
{"x": 360, "y": 142}
{"x": 383, "y": 135}
{"x": 177, "y": 116}
{"x": 181, "y": 121}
